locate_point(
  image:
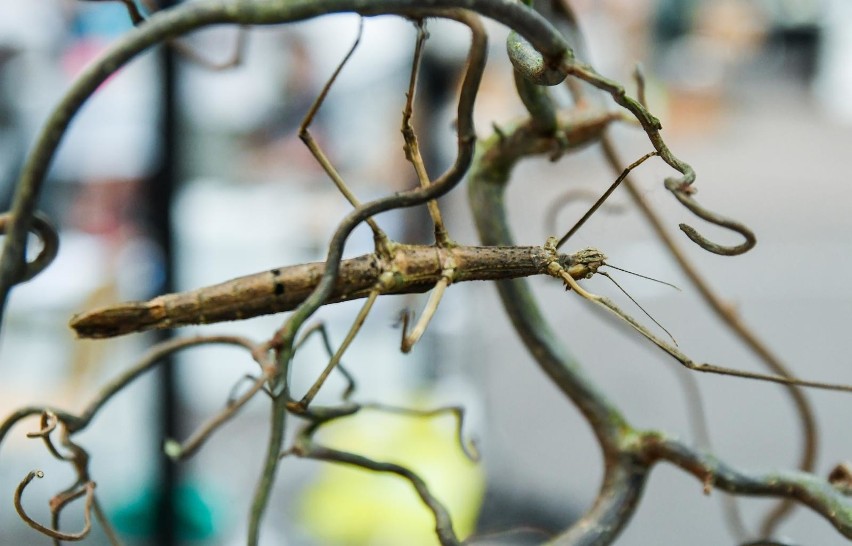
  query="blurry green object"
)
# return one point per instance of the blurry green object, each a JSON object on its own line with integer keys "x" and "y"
{"x": 348, "y": 505}
{"x": 196, "y": 516}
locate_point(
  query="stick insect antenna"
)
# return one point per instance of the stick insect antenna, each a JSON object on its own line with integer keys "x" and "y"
{"x": 647, "y": 314}
{"x": 557, "y": 271}
{"x": 642, "y": 276}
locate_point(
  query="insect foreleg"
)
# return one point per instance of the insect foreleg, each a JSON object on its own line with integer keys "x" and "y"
{"x": 412, "y": 147}
{"x": 302, "y": 405}
{"x": 319, "y": 328}
{"x": 380, "y": 237}
{"x": 408, "y": 340}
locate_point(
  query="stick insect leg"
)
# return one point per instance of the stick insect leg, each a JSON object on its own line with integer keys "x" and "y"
{"x": 319, "y": 328}
{"x": 412, "y": 147}
{"x": 558, "y": 203}
{"x": 558, "y": 271}
{"x": 604, "y": 197}
{"x": 133, "y": 11}
{"x": 378, "y": 235}
{"x": 408, "y": 340}
{"x": 302, "y": 405}
{"x": 412, "y": 153}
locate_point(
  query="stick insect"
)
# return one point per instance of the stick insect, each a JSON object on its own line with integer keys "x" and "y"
{"x": 409, "y": 269}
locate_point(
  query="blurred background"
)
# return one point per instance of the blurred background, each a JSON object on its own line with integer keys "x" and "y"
{"x": 176, "y": 176}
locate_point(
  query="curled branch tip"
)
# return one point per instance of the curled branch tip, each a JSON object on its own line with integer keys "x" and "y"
{"x": 88, "y": 489}
{"x": 49, "y": 421}
{"x": 683, "y": 193}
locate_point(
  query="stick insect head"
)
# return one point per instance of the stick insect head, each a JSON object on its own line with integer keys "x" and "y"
{"x": 585, "y": 263}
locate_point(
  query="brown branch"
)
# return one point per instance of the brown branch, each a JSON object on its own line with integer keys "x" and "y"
{"x": 808, "y": 489}
{"x": 48, "y": 237}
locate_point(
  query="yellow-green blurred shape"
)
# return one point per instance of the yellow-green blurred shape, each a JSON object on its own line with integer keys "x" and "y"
{"x": 352, "y": 506}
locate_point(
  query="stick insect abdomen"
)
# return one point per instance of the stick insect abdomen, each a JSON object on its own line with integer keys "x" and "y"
{"x": 272, "y": 291}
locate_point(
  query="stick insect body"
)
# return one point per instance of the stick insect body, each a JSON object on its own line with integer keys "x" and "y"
{"x": 408, "y": 269}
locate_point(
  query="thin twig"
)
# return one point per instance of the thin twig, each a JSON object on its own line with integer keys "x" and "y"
{"x": 106, "y": 525}
{"x": 680, "y": 187}
{"x": 306, "y": 448}
{"x": 48, "y": 237}
{"x": 49, "y": 422}
{"x": 808, "y": 489}
{"x": 468, "y": 448}
{"x": 190, "y": 446}
{"x": 153, "y": 357}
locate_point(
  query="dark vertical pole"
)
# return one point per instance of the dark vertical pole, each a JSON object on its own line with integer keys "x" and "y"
{"x": 160, "y": 196}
